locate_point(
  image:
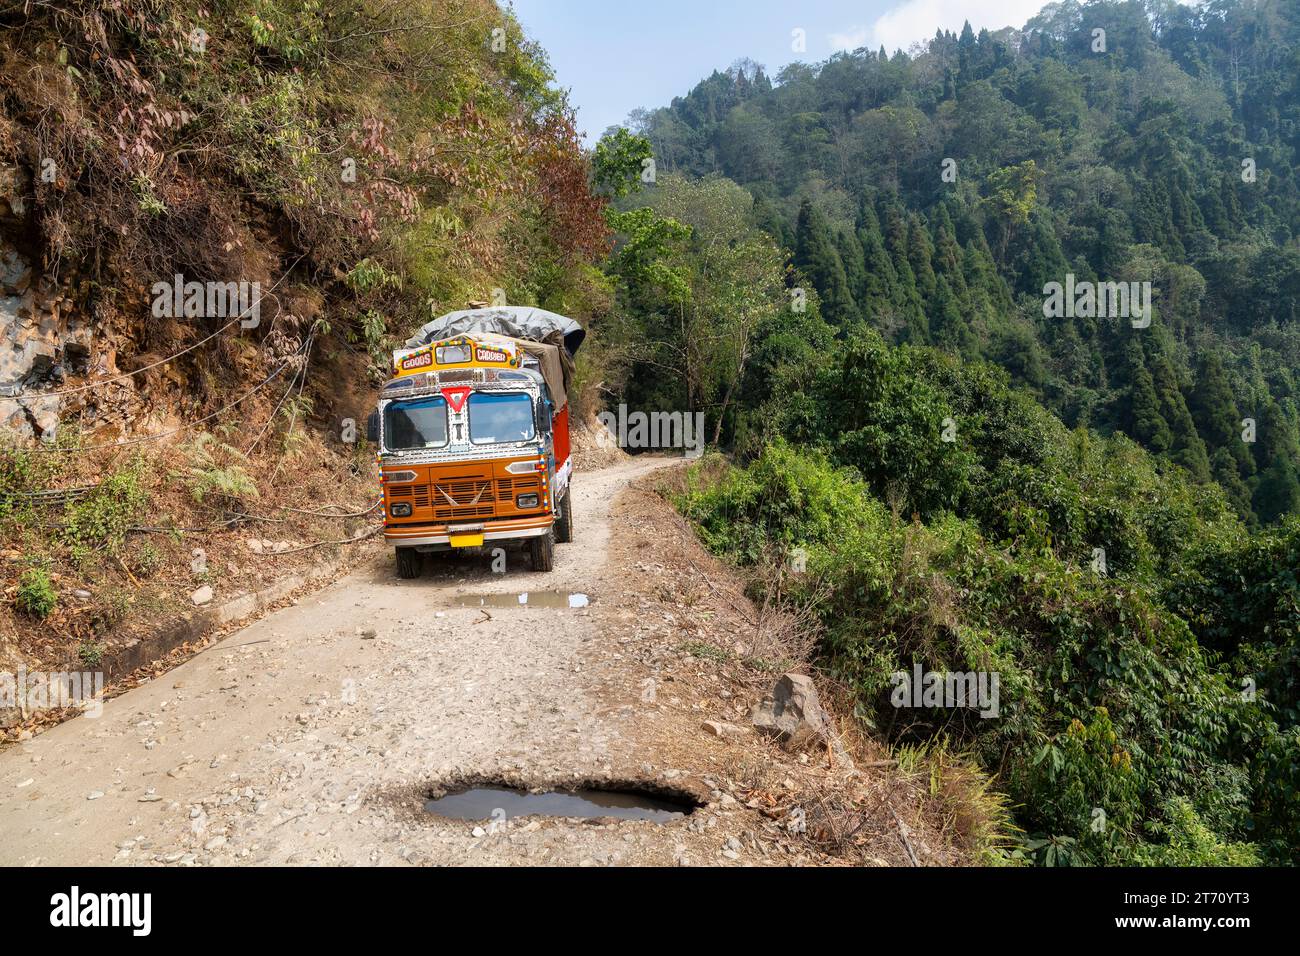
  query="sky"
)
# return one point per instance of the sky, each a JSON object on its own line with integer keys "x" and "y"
{"x": 617, "y": 55}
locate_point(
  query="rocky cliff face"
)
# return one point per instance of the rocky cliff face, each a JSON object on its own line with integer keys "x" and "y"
{"x": 43, "y": 339}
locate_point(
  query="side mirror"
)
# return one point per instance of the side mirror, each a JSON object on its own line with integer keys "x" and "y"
{"x": 372, "y": 427}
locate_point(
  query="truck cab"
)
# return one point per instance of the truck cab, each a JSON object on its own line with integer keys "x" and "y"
{"x": 473, "y": 450}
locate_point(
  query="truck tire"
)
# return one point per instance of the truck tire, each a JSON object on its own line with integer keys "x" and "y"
{"x": 409, "y": 563}
{"x": 542, "y": 551}
{"x": 564, "y": 526}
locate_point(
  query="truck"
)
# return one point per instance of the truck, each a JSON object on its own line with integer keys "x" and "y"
{"x": 472, "y": 436}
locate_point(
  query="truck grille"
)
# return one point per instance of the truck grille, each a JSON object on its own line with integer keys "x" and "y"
{"x": 418, "y": 495}
{"x": 466, "y": 498}
{"x": 470, "y": 497}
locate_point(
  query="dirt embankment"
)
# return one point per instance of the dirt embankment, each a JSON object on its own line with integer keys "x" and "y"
{"x": 313, "y": 735}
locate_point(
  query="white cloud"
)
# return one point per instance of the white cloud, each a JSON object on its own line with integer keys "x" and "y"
{"x": 850, "y": 39}
{"x": 913, "y": 20}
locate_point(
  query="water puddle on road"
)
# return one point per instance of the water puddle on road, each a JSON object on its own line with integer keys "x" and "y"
{"x": 503, "y": 803}
{"x": 554, "y": 599}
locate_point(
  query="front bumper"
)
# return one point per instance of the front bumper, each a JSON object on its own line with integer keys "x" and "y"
{"x": 419, "y": 535}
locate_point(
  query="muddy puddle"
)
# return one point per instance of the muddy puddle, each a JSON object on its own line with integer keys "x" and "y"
{"x": 552, "y": 599}
{"x": 503, "y": 803}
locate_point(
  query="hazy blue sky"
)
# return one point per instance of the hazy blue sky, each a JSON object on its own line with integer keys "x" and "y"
{"x": 616, "y": 55}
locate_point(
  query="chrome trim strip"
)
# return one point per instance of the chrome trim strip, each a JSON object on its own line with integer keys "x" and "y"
{"x": 446, "y": 539}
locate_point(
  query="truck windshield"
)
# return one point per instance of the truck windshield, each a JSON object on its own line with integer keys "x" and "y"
{"x": 418, "y": 423}
{"x": 499, "y": 418}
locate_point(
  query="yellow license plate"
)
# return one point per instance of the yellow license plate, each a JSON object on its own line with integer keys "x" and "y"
{"x": 465, "y": 540}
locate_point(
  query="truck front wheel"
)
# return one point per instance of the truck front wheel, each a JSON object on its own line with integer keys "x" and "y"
{"x": 542, "y": 551}
{"x": 564, "y": 524}
{"x": 409, "y": 563}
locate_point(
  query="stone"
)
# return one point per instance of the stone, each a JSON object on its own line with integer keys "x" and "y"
{"x": 202, "y": 596}
{"x": 13, "y": 416}
{"x": 720, "y": 728}
{"x": 44, "y": 413}
{"x": 15, "y": 271}
{"x": 792, "y": 713}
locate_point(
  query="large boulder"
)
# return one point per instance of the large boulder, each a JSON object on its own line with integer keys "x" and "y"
{"x": 792, "y": 713}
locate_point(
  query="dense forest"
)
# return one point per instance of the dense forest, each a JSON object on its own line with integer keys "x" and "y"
{"x": 934, "y": 196}
{"x": 849, "y": 267}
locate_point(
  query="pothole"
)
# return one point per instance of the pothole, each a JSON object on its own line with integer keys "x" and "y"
{"x": 498, "y": 803}
{"x": 550, "y": 599}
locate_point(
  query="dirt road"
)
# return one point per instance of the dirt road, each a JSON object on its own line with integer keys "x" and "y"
{"x": 313, "y": 735}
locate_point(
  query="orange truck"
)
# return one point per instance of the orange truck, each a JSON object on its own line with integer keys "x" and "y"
{"x": 473, "y": 436}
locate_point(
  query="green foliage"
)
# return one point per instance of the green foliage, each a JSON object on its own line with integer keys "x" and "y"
{"x": 1192, "y": 843}
{"x": 369, "y": 275}
{"x": 1241, "y": 595}
{"x": 786, "y": 498}
{"x": 292, "y": 30}
{"x": 36, "y": 595}
{"x": 22, "y": 472}
{"x": 144, "y": 560}
{"x": 700, "y": 287}
{"x": 219, "y": 469}
{"x": 98, "y": 522}
{"x": 618, "y": 162}
{"x": 1110, "y": 707}
{"x": 90, "y": 653}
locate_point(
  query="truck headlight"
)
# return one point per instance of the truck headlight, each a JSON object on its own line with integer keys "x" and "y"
{"x": 526, "y": 501}
{"x": 400, "y": 510}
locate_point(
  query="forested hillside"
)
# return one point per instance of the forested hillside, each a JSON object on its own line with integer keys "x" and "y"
{"x": 934, "y": 196}
{"x": 934, "y": 468}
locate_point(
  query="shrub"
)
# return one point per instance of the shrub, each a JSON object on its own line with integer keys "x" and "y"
{"x": 1191, "y": 842}
{"x": 36, "y": 594}
{"x": 219, "y": 470}
{"x": 99, "y": 521}
{"x": 90, "y": 653}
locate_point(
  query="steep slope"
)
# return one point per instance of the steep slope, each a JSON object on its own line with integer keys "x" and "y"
{"x": 214, "y": 223}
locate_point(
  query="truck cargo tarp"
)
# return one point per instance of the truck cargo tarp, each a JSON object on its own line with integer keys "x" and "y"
{"x": 516, "y": 321}
{"x": 551, "y": 338}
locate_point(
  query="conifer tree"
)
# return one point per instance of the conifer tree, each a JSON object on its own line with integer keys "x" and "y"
{"x": 1214, "y": 409}
{"x": 855, "y": 273}
{"x": 815, "y": 255}
{"x": 1147, "y": 424}
{"x": 920, "y": 257}
{"x": 880, "y": 280}
{"x": 1187, "y": 447}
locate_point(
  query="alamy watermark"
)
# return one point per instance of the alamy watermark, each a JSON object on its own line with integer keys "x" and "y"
{"x": 52, "y": 690}
{"x": 922, "y": 688}
{"x": 644, "y": 430}
{"x": 1098, "y": 300}
{"x": 75, "y": 908}
{"x": 208, "y": 300}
